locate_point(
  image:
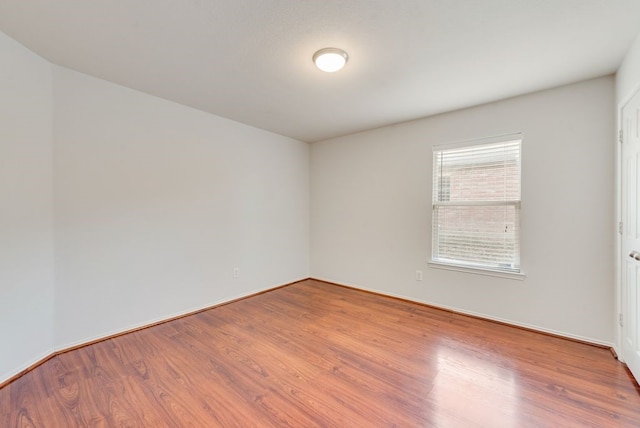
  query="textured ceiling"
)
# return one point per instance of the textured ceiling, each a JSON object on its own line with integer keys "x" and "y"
{"x": 250, "y": 60}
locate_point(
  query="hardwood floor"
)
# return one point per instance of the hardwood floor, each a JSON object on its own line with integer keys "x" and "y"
{"x": 315, "y": 354}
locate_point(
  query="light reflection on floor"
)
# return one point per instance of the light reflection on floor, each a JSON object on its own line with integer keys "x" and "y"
{"x": 489, "y": 391}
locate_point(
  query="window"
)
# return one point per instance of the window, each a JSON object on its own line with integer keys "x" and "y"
{"x": 476, "y": 204}
{"x": 444, "y": 188}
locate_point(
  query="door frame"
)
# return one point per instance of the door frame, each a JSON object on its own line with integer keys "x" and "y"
{"x": 617, "y": 346}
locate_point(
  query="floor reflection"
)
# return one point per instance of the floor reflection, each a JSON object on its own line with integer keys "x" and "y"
{"x": 488, "y": 388}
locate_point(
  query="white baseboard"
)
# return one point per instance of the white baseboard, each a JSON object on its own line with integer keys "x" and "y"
{"x": 26, "y": 366}
{"x": 58, "y": 349}
{"x": 480, "y": 315}
{"x": 68, "y": 346}
{"x": 149, "y": 323}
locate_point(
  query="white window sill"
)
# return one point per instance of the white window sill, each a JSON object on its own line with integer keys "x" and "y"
{"x": 478, "y": 271}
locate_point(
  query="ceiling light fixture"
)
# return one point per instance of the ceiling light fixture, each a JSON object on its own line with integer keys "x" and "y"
{"x": 330, "y": 59}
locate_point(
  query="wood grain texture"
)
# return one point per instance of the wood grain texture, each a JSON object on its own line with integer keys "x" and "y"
{"x": 316, "y": 354}
{"x": 112, "y": 336}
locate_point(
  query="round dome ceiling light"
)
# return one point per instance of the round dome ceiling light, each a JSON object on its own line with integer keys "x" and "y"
{"x": 330, "y": 59}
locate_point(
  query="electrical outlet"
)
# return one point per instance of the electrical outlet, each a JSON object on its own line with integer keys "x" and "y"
{"x": 236, "y": 272}
{"x": 418, "y": 275}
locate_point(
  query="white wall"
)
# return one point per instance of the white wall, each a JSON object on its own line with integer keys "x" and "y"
{"x": 156, "y": 203}
{"x": 628, "y": 75}
{"x": 371, "y": 213}
{"x": 26, "y": 230}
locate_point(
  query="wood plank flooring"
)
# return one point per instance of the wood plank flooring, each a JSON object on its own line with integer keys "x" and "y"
{"x": 315, "y": 354}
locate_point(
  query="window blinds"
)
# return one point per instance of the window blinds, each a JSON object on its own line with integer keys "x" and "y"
{"x": 476, "y": 205}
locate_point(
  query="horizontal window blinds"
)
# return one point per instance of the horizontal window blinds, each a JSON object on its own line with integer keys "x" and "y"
{"x": 476, "y": 205}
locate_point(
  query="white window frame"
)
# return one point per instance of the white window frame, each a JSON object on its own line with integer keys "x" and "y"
{"x": 468, "y": 267}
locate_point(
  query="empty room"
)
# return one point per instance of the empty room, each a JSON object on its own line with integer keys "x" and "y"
{"x": 337, "y": 213}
